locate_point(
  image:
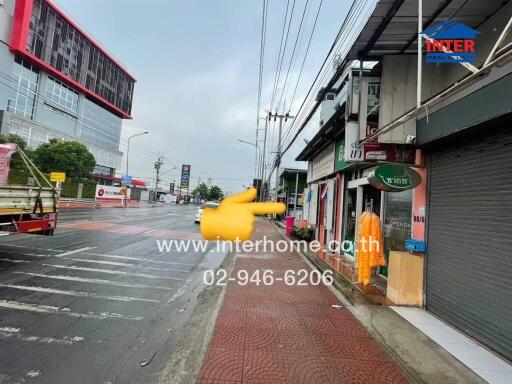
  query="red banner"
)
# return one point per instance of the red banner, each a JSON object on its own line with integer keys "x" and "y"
{"x": 6, "y": 150}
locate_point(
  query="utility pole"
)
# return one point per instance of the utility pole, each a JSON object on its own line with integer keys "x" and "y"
{"x": 296, "y": 189}
{"x": 158, "y": 164}
{"x": 281, "y": 117}
{"x": 263, "y": 190}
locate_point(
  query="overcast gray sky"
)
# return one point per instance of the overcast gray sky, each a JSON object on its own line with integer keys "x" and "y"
{"x": 196, "y": 65}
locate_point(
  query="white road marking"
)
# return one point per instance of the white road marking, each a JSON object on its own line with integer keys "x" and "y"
{"x": 6, "y": 332}
{"x": 26, "y": 246}
{"x": 92, "y": 281}
{"x": 139, "y": 259}
{"x": 180, "y": 291}
{"x": 111, "y": 272}
{"x": 35, "y": 254}
{"x": 77, "y": 293}
{"x": 74, "y": 251}
{"x": 14, "y": 260}
{"x": 151, "y": 230}
{"x": 39, "y": 308}
{"x": 124, "y": 264}
{"x": 33, "y": 373}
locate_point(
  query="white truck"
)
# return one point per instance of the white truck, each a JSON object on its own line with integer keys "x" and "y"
{"x": 28, "y": 209}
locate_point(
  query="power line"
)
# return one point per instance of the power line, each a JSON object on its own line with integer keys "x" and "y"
{"x": 280, "y": 62}
{"x": 306, "y": 116}
{"x": 293, "y": 54}
{"x": 260, "y": 80}
{"x": 262, "y": 58}
{"x": 306, "y": 54}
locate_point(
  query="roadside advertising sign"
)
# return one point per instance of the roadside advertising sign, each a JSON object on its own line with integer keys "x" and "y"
{"x": 108, "y": 192}
{"x": 58, "y": 177}
{"x": 185, "y": 176}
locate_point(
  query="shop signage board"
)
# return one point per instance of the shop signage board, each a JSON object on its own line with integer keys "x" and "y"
{"x": 185, "y": 176}
{"x": 393, "y": 153}
{"x": 373, "y": 152}
{"x": 394, "y": 178}
{"x": 323, "y": 164}
{"x": 58, "y": 177}
{"x": 339, "y": 161}
{"x": 353, "y": 150}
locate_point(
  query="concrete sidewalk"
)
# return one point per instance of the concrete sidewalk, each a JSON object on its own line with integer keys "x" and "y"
{"x": 288, "y": 333}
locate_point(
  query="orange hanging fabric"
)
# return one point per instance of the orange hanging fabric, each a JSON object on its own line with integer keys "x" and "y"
{"x": 369, "y": 246}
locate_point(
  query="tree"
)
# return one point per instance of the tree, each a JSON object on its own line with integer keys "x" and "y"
{"x": 16, "y": 160}
{"x": 215, "y": 193}
{"x": 201, "y": 191}
{"x": 70, "y": 157}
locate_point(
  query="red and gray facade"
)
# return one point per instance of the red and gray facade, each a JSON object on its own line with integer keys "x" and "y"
{"x": 58, "y": 82}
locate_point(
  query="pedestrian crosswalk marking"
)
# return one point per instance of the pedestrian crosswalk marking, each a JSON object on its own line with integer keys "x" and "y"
{"x": 92, "y": 281}
{"x": 76, "y": 293}
{"x": 29, "y": 247}
{"x": 74, "y": 251}
{"x": 14, "y": 260}
{"x": 39, "y": 308}
{"x": 138, "y": 259}
{"x": 112, "y": 272}
{"x": 10, "y": 332}
{"x": 124, "y": 264}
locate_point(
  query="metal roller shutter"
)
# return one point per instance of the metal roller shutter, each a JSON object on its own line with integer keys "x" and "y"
{"x": 469, "y": 259}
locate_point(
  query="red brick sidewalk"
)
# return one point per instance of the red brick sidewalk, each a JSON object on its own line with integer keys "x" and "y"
{"x": 289, "y": 334}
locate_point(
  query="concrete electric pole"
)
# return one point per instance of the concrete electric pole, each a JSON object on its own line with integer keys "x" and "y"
{"x": 158, "y": 164}
{"x": 281, "y": 117}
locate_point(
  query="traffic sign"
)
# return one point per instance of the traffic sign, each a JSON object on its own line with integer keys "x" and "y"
{"x": 126, "y": 180}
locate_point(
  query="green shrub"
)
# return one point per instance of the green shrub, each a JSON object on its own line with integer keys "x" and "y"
{"x": 303, "y": 233}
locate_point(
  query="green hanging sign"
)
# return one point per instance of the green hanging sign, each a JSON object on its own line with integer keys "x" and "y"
{"x": 394, "y": 178}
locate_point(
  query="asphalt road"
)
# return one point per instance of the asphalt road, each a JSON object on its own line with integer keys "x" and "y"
{"x": 97, "y": 302}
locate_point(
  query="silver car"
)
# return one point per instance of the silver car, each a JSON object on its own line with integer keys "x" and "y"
{"x": 199, "y": 211}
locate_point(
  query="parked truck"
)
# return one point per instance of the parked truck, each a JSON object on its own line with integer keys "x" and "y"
{"x": 28, "y": 209}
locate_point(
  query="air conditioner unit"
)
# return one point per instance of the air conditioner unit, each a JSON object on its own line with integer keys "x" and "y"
{"x": 327, "y": 108}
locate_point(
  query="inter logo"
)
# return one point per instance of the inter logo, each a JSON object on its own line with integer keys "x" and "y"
{"x": 450, "y": 42}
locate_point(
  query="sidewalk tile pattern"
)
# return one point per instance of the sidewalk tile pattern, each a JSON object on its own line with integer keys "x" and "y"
{"x": 289, "y": 334}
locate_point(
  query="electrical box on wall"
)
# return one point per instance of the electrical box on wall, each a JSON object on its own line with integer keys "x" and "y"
{"x": 415, "y": 246}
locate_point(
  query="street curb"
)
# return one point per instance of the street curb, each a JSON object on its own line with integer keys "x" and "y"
{"x": 421, "y": 359}
{"x": 185, "y": 363}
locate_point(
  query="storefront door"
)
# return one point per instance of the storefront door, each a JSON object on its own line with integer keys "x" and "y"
{"x": 469, "y": 268}
{"x": 350, "y": 218}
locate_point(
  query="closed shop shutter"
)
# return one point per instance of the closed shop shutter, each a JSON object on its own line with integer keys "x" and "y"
{"x": 469, "y": 255}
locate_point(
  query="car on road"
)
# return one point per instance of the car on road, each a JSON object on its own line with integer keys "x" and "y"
{"x": 199, "y": 212}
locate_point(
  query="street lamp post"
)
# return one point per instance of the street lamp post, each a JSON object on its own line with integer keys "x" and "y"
{"x": 128, "y": 148}
{"x": 257, "y": 149}
{"x": 256, "y": 165}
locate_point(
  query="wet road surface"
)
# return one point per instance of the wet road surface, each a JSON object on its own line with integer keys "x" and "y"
{"x": 98, "y": 302}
